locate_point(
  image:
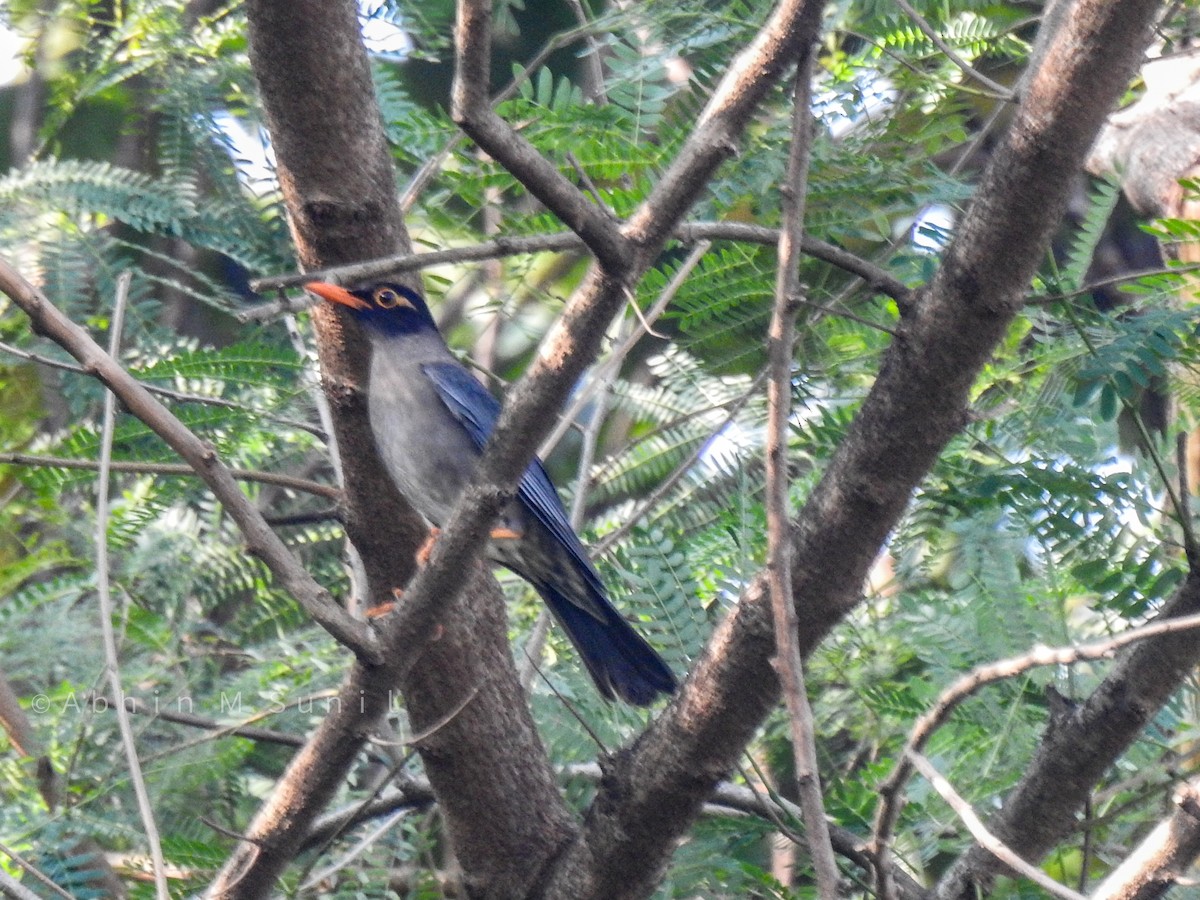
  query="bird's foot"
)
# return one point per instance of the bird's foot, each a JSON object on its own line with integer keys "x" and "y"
{"x": 425, "y": 551}
{"x": 379, "y": 610}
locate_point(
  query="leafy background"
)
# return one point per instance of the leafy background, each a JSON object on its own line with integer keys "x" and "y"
{"x": 1047, "y": 521}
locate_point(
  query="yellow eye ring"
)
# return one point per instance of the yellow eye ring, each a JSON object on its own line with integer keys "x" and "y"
{"x": 386, "y": 298}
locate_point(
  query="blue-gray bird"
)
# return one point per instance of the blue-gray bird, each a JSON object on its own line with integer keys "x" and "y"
{"x": 431, "y": 419}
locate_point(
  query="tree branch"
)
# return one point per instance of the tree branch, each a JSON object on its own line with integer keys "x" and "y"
{"x": 170, "y": 394}
{"x": 1163, "y": 858}
{"x": 928, "y": 30}
{"x": 112, "y": 665}
{"x": 983, "y": 837}
{"x": 260, "y": 539}
{"x": 471, "y": 109}
{"x": 918, "y": 401}
{"x": 781, "y": 339}
{"x": 1078, "y": 749}
{"x": 275, "y": 479}
{"x": 878, "y": 279}
{"x": 495, "y": 787}
{"x": 966, "y": 686}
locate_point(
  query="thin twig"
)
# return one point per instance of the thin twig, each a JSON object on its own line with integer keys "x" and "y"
{"x": 1092, "y": 286}
{"x": 111, "y": 657}
{"x": 780, "y": 342}
{"x": 362, "y": 846}
{"x": 357, "y": 571}
{"x": 1000, "y": 90}
{"x": 669, "y": 483}
{"x": 148, "y": 468}
{"x": 33, "y": 870}
{"x": 984, "y": 837}
{"x": 604, "y": 373}
{"x": 891, "y": 800}
{"x": 170, "y": 394}
{"x": 220, "y": 729}
{"x": 1185, "y": 494}
{"x": 536, "y": 641}
{"x": 877, "y": 278}
{"x": 1150, "y": 446}
{"x": 260, "y": 539}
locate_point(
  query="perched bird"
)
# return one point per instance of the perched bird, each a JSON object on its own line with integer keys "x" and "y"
{"x": 431, "y": 419}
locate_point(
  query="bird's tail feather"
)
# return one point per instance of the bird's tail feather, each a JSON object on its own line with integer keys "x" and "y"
{"x": 620, "y": 661}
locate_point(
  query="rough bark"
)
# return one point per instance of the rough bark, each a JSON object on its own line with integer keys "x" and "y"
{"x": 919, "y": 401}
{"x": 496, "y": 788}
{"x": 1163, "y": 858}
{"x": 1078, "y": 749}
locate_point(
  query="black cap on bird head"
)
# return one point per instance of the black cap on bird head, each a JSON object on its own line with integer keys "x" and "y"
{"x": 386, "y": 305}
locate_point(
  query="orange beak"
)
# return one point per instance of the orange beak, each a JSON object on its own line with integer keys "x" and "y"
{"x": 335, "y": 294}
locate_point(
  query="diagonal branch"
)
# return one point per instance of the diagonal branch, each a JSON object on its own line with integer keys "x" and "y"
{"x": 1163, "y": 859}
{"x": 1077, "y": 750}
{"x": 260, "y": 539}
{"x": 930, "y": 32}
{"x": 985, "y": 838}
{"x": 918, "y": 401}
{"x": 980, "y": 677}
{"x": 471, "y": 108}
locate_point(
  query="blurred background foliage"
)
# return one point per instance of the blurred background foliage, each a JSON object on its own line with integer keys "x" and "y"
{"x": 134, "y": 143}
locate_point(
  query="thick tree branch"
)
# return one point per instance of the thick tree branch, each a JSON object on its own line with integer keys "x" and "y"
{"x": 918, "y": 402}
{"x": 1078, "y": 749}
{"x": 978, "y": 678}
{"x": 1163, "y": 859}
{"x": 486, "y": 763}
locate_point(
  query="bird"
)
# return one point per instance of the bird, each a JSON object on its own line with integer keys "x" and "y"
{"x": 431, "y": 419}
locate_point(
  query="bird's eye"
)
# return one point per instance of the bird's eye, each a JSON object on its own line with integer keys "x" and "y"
{"x": 386, "y": 298}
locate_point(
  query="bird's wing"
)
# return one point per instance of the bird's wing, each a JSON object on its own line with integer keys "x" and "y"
{"x": 474, "y": 408}
{"x": 478, "y": 411}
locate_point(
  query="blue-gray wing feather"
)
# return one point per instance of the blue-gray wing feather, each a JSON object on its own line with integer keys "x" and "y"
{"x": 477, "y": 411}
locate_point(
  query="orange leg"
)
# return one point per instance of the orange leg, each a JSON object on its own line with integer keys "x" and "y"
{"x": 424, "y": 552}
{"x": 382, "y": 609}
{"x": 388, "y": 606}
{"x": 426, "y": 549}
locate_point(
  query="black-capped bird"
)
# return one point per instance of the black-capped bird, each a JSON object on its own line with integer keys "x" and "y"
{"x": 431, "y": 419}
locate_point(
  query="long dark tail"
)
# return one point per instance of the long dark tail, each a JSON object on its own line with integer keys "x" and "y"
{"x": 620, "y": 661}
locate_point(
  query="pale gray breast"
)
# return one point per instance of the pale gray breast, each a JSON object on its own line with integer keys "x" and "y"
{"x": 428, "y": 453}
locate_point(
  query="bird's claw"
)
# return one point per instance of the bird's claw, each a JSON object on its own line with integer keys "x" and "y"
{"x": 425, "y": 551}
{"x": 379, "y": 610}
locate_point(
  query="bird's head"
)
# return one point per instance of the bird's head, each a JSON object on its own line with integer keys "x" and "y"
{"x": 391, "y": 308}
